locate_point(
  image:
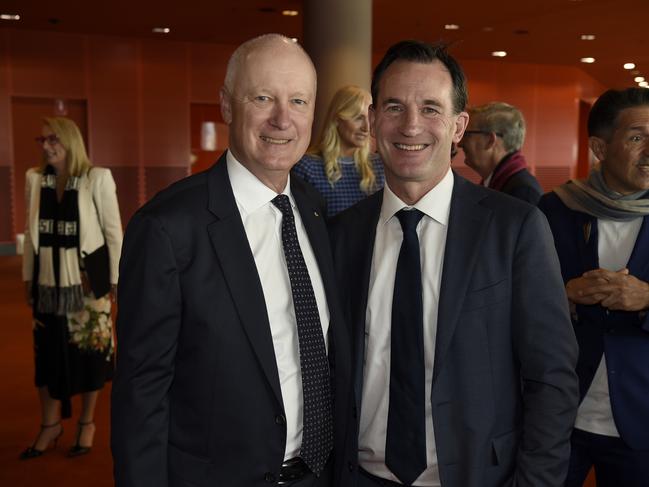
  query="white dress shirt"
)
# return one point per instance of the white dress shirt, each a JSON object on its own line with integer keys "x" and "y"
{"x": 262, "y": 221}
{"x": 615, "y": 244}
{"x": 431, "y": 230}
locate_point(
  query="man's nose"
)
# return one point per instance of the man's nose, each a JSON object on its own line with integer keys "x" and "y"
{"x": 280, "y": 116}
{"x": 411, "y": 122}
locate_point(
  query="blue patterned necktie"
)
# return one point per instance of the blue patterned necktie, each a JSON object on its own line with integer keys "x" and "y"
{"x": 405, "y": 445}
{"x": 317, "y": 431}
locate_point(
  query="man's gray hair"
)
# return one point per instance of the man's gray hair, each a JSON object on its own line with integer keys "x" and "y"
{"x": 240, "y": 53}
{"x": 501, "y": 118}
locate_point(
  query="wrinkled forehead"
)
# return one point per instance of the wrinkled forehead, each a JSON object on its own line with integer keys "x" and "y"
{"x": 276, "y": 61}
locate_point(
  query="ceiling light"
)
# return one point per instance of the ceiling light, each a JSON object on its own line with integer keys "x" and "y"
{"x": 488, "y": 29}
{"x": 290, "y": 13}
{"x": 629, "y": 66}
{"x": 451, "y": 27}
{"x": 161, "y": 30}
{"x": 9, "y": 17}
{"x": 644, "y": 84}
{"x": 499, "y": 53}
{"x": 638, "y": 79}
{"x": 587, "y": 37}
{"x": 588, "y": 60}
{"x": 294, "y": 39}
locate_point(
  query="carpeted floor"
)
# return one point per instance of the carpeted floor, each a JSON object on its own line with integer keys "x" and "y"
{"x": 20, "y": 417}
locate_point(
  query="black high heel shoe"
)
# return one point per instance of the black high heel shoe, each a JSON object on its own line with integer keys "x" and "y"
{"x": 32, "y": 451}
{"x": 77, "y": 449}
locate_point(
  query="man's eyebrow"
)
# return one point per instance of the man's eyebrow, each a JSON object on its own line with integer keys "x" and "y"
{"x": 388, "y": 101}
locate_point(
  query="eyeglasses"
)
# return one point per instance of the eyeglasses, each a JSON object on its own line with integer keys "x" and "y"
{"x": 485, "y": 132}
{"x": 50, "y": 139}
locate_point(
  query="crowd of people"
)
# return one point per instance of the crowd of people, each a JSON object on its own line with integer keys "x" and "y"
{"x": 354, "y": 312}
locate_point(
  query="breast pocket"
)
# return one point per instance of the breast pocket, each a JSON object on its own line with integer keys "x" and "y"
{"x": 486, "y": 295}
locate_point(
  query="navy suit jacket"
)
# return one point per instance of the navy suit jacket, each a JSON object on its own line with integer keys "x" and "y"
{"x": 504, "y": 393}
{"x": 622, "y": 336}
{"x": 196, "y": 395}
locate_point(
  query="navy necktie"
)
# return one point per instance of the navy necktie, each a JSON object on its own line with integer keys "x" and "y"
{"x": 317, "y": 431}
{"x": 405, "y": 448}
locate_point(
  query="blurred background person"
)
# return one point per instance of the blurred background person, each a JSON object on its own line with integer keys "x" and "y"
{"x": 492, "y": 147}
{"x": 73, "y": 238}
{"x": 340, "y": 165}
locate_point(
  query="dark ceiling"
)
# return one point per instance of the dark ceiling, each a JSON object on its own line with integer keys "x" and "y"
{"x": 532, "y": 31}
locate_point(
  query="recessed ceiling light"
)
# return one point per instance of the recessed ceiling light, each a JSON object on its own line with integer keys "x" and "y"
{"x": 9, "y": 17}
{"x": 294, "y": 39}
{"x": 499, "y": 53}
{"x": 451, "y": 27}
{"x": 488, "y": 29}
{"x": 161, "y": 30}
{"x": 587, "y": 37}
{"x": 644, "y": 84}
{"x": 638, "y": 79}
{"x": 588, "y": 60}
{"x": 290, "y": 13}
{"x": 629, "y": 66}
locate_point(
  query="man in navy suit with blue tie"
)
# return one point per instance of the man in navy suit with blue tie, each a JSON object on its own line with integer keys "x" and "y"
{"x": 601, "y": 231}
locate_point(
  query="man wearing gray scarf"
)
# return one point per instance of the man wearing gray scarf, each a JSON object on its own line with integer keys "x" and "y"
{"x": 601, "y": 232}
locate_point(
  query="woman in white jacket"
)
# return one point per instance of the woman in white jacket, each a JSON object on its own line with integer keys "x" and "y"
{"x": 73, "y": 238}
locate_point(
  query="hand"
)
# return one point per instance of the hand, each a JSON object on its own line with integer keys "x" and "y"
{"x": 625, "y": 292}
{"x": 587, "y": 289}
{"x": 28, "y": 294}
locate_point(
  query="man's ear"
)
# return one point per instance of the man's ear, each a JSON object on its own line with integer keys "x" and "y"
{"x": 461, "y": 123}
{"x": 372, "y": 118}
{"x": 226, "y": 105}
{"x": 492, "y": 140}
{"x": 598, "y": 146}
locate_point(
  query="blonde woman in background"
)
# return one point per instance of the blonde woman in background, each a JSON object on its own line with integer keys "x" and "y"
{"x": 339, "y": 165}
{"x": 73, "y": 238}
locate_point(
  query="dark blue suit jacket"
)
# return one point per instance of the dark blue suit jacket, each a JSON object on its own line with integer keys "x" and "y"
{"x": 504, "y": 392}
{"x": 196, "y": 396}
{"x": 621, "y": 335}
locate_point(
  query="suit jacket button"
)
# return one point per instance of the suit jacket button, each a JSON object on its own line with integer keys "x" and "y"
{"x": 269, "y": 477}
{"x": 280, "y": 420}
{"x": 351, "y": 466}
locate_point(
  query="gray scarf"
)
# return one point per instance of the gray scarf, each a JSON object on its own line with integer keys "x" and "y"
{"x": 593, "y": 197}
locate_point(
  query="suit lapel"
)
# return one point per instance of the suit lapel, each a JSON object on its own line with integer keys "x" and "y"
{"x": 232, "y": 249}
{"x": 363, "y": 249}
{"x": 467, "y": 223}
{"x": 638, "y": 263}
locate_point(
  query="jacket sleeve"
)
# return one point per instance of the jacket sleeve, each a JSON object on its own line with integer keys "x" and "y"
{"x": 148, "y": 323}
{"x": 546, "y": 349}
{"x": 105, "y": 198}
{"x": 28, "y": 246}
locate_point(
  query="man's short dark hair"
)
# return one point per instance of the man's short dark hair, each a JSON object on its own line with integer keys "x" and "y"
{"x": 424, "y": 53}
{"x": 603, "y": 116}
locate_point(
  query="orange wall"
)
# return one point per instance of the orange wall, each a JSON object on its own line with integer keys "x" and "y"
{"x": 139, "y": 93}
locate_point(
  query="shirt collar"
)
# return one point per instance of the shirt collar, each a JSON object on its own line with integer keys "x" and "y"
{"x": 249, "y": 192}
{"x": 435, "y": 204}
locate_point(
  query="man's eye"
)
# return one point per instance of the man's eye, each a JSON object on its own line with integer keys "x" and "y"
{"x": 636, "y": 138}
{"x": 298, "y": 101}
{"x": 262, "y": 98}
{"x": 393, "y": 108}
{"x": 429, "y": 110}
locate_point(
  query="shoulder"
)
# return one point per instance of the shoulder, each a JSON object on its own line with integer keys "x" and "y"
{"x": 550, "y": 204}
{"x": 365, "y": 208}
{"x": 32, "y": 173}
{"x": 179, "y": 198}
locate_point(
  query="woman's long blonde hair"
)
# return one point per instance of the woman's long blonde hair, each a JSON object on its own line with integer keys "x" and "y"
{"x": 346, "y": 104}
{"x": 70, "y": 138}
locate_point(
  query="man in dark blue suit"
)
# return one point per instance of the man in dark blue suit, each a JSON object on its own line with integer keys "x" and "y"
{"x": 233, "y": 365}
{"x": 601, "y": 232}
{"x": 464, "y": 366}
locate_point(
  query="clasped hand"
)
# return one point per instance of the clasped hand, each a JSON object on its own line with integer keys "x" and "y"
{"x": 615, "y": 290}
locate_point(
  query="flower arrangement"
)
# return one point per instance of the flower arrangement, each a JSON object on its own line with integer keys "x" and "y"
{"x": 91, "y": 328}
